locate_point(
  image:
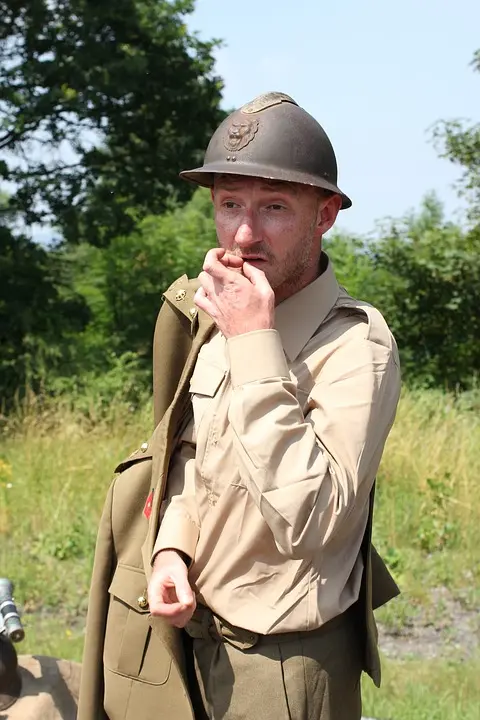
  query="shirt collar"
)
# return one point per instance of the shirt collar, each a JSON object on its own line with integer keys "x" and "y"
{"x": 299, "y": 316}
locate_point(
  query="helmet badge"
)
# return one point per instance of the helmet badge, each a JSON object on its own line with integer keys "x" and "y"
{"x": 240, "y": 134}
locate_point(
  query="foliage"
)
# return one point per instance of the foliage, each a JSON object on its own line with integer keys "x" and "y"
{"x": 82, "y": 318}
{"x": 39, "y": 314}
{"x": 138, "y": 268}
{"x": 423, "y": 273}
{"x": 429, "y": 289}
{"x": 352, "y": 260}
{"x": 437, "y": 530}
{"x": 101, "y": 105}
{"x": 459, "y": 141}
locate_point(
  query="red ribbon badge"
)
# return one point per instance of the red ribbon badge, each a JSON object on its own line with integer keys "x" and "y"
{"x": 147, "y": 510}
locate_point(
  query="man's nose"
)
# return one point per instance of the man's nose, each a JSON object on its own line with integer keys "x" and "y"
{"x": 245, "y": 235}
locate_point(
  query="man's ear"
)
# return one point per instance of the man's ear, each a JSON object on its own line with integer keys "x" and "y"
{"x": 327, "y": 213}
{"x": 212, "y": 193}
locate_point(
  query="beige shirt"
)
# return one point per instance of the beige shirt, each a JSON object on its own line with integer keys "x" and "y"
{"x": 268, "y": 490}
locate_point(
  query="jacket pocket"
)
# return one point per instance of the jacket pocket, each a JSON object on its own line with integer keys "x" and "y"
{"x": 131, "y": 648}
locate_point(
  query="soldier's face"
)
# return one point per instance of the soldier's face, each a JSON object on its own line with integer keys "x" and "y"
{"x": 276, "y": 226}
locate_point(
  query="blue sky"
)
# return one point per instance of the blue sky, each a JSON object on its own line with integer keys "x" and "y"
{"x": 375, "y": 74}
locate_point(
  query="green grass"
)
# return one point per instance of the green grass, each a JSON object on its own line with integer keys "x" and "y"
{"x": 56, "y": 465}
{"x": 55, "y": 635}
{"x": 428, "y": 500}
{"x": 55, "y": 469}
{"x": 424, "y": 690}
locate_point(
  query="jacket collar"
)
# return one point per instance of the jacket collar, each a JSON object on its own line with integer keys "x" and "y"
{"x": 180, "y": 295}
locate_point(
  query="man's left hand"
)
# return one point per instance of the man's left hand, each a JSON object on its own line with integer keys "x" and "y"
{"x": 237, "y": 296}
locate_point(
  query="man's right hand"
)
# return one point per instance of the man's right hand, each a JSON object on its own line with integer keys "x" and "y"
{"x": 169, "y": 593}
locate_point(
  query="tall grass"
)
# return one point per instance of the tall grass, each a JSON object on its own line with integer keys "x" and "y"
{"x": 56, "y": 463}
{"x": 428, "y": 502}
{"x": 55, "y": 468}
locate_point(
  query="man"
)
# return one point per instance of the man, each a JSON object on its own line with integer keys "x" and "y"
{"x": 258, "y": 554}
{"x": 248, "y": 513}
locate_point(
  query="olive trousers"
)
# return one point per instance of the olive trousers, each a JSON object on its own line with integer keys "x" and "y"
{"x": 241, "y": 675}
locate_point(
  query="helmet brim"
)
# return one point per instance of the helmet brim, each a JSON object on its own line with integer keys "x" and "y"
{"x": 204, "y": 176}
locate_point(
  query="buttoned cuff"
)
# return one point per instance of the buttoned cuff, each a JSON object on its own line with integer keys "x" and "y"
{"x": 255, "y": 356}
{"x": 177, "y": 532}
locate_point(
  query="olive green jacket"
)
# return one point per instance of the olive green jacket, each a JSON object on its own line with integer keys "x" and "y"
{"x": 133, "y": 664}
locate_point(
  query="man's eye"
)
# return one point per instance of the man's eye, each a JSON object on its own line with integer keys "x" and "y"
{"x": 229, "y": 204}
{"x": 276, "y": 206}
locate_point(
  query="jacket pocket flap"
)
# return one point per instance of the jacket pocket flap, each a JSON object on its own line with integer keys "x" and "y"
{"x": 128, "y": 585}
{"x": 135, "y": 457}
{"x": 206, "y": 378}
{"x": 131, "y": 648}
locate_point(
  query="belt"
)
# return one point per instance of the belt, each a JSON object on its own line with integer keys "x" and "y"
{"x": 205, "y": 625}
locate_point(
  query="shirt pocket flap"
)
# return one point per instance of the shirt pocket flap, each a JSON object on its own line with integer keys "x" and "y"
{"x": 206, "y": 378}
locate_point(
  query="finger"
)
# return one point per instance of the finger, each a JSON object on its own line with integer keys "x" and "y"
{"x": 214, "y": 267}
{"x": 255, "y": 275}
{"x": 232, "y": 261}
{"x": 204, "y": 303}
{"x": 217, "y": 253}
{"x": 170, "y": 611}
{"x": 176, "y": 616}
{"x": 171, "y": 600}
{"x": 207, "y": 283}
{"x": 184, "y": 617}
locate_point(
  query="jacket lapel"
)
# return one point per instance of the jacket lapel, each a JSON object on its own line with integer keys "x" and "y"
{"x": 200, "y": 326}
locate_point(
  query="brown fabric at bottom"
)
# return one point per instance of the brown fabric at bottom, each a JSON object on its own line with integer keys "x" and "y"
{"x": 307, "y": 676}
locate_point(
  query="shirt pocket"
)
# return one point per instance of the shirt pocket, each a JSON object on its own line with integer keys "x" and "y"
{"x": 204, "y": 385}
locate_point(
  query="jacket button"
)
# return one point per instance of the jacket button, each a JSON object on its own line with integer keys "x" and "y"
{"x": 144, "y": 447}
{"x": 180, "y": 295}
{"x": 142, "y": 602}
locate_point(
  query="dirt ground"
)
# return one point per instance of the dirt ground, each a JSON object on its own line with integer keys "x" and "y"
{"x": 448, "y": 628}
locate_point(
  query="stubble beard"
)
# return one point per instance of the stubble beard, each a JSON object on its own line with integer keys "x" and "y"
{"x": 298, "y": 268}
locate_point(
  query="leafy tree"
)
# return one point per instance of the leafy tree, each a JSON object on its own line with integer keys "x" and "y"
{"x": 38, "y": 314}
{"x": 101, "y": 105}
{"x": 460, "y": 143}
{"x": 352, "y": 261}
{"x": 426, "y": 281}
{"x": 138, "y": 268}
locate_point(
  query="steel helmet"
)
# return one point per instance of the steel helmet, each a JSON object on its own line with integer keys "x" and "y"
{"x": 271, "y": 137}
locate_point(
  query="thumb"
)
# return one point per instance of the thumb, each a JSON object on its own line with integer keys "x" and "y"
{"x": 182, "y": 588}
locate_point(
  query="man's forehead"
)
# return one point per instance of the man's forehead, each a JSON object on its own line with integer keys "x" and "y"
{"x": 230, "y": 182}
